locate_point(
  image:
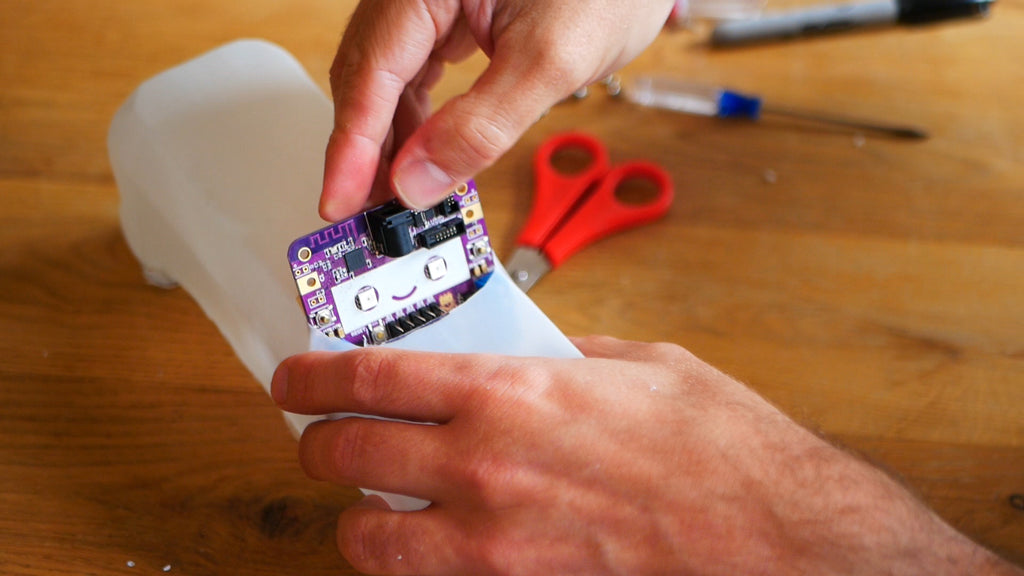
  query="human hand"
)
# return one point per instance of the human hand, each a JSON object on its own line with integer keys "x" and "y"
{"x": 393, "y": 52}
{"x": 639, "y": 459}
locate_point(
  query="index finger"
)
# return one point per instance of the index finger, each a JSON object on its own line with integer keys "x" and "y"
{"x": 385, "y": 46}
{"x": 415, "y": 386}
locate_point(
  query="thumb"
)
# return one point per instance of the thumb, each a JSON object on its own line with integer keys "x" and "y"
{"x": 471, "y": 131}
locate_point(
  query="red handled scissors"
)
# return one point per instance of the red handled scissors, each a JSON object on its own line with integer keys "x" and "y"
{"x": 571, "y": 211}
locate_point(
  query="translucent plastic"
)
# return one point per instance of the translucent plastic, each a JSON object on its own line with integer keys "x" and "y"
{"x": 219, "y": 165}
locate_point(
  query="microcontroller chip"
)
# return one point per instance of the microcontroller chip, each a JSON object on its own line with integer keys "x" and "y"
{"x": 355, "y": 261}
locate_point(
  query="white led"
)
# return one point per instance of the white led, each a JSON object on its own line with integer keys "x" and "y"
{"x": 366, "y": 298}
{"x": 436, "y": 268}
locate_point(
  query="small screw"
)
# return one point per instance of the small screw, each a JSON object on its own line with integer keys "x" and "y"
{"x": 613, "y": 85}
{"x": 1017, "y": 501}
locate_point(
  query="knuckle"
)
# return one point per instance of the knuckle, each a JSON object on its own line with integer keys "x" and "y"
{"x": 333, "y": 450}
{"x": 558, "y": 64}
{"x": 338, "y": 72}
{"x": 359, "y": 88}
{"x": 361, "y": 543}
{"x": 492, "y": 481}
{"x": 380, "y": 544}
{"x": 346, "y": 76}
{"x": 347, "y": 450}
{"x": 388, "y": 85}
{"x": 478, "y": 477}
{"x": 514, "y": 386}
{"x": 527, "y": 382}
{"x": 369, "y": 374}
{"x": 537, "y": 388}
{"x": 600, "y": 339}
{"x": 481, "y": 138}
{"x": 667, "y": 351}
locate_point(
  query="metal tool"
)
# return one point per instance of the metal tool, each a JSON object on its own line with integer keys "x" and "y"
{"x": 571, "y": 211}
{"x": 692, "y": 98}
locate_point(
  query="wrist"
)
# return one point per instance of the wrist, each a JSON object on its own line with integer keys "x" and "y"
{"x": 852, "y": 518}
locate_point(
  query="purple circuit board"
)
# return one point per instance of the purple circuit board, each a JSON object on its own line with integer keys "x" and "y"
{"x": 388, "y": 271}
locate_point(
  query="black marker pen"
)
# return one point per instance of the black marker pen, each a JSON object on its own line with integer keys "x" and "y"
{"x": 840, "y": 17}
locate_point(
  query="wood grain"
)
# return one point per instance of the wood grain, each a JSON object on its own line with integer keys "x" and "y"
{"x": 874, "y": 290}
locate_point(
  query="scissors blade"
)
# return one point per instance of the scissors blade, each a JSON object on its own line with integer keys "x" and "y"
{"x": 526, "y": 266}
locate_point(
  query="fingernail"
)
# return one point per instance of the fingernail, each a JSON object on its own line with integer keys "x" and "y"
{"x": 279, "y": 384}
{"x": 420, "y": 184}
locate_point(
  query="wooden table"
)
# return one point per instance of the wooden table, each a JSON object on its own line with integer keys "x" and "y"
{"x": 872, "y": 288}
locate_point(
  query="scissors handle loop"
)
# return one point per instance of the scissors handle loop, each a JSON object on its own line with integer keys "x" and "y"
{"x": 556, "y": 193}
{"x": 603, "y": 213}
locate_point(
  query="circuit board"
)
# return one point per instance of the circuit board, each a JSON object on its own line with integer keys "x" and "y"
{"x": 388, "y": 271}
